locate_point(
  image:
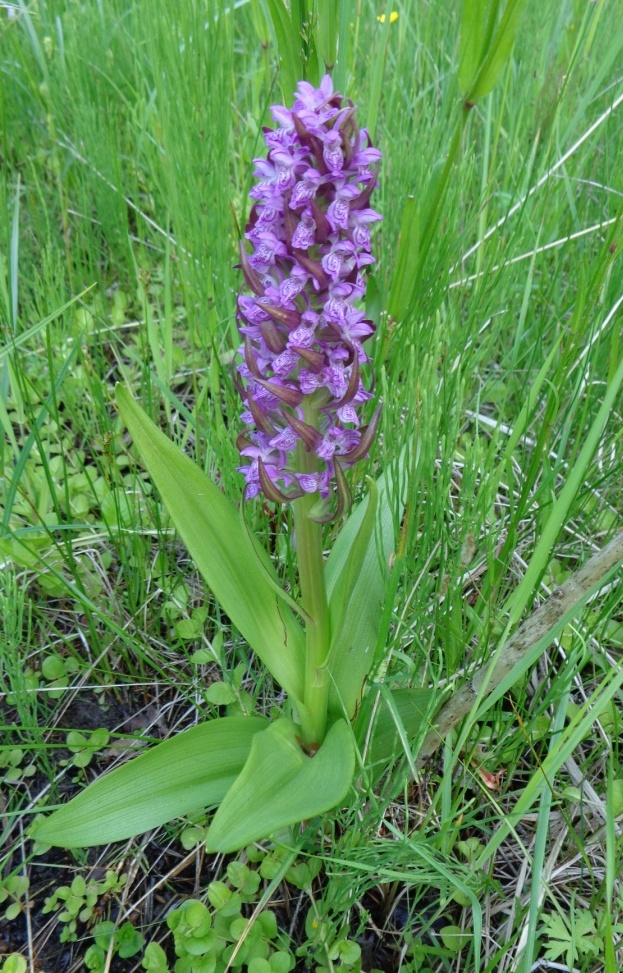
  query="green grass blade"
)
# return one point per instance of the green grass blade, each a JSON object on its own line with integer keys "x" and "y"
{"x": 520, "y": 598}
{"x": 572, "y": 736}
{"x": 289, "y": 46}
{"x": 34, "y": 329}
{"x": 401, "y": 716}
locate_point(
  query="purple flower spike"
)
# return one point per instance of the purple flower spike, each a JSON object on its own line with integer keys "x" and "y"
{"x": 303, "y": 334}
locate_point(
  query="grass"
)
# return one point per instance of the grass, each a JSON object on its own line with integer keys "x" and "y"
{"x": 128, "y": 130}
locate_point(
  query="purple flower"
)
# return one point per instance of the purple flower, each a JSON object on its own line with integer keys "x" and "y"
{"x": 309, "y": 232}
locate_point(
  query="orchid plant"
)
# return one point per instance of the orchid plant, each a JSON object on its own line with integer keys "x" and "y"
{"x": 301, "y": 376}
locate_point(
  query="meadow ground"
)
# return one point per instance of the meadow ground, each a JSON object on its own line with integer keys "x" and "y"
{"x": 128, "y": 130}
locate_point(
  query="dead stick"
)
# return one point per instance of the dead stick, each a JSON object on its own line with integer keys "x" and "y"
{"x": 562, "y": 602}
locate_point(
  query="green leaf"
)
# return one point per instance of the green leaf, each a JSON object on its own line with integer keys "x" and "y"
{"x": 194, "y": 769}
{"x": 155, "y": 959}
{"x": 209, "y": 525}
{"x": 14, "y": 963}
{"x": 327, "y": 31}
{"x": 499, "y": 51}
{"x": 396, "y": 713}
{"x": 53, "y": 667}
{"x": 573, "y": 937}
{"x": 259, "y": 965}
{"x": 347, "y": 951}
{"x": 103, "y": 933}
{"x": 475, "y": 37}
{"x": 281, "y": 962}
{"x": 289, "y": 46}
{"x": 260, "y": 21}
{"x": 190, "y": 628}
{"x": 345, "y": 580}
{"x": 280, "y": 785}
{"x": 406, "y": 260}
{"x": 129, "y": 940}
{"x": 355, "y": 630}
{"x": 522, "y": 595}
{"x": 220, "y": 694}
{"x": 485, "y": 48}
{"x": 454, "y": 938}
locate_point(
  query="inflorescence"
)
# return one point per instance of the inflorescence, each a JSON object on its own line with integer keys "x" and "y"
{"x": 303, "y": 334}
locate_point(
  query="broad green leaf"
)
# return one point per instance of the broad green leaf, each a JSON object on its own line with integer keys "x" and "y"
{"x": 351, "y": 567}
{"x": 397, "y": 713}
{"x": 353, "y": 642}
{"x": 268, "y": 570}
{"x": 280, "y": 785}
{"x": 189, "y": 771}
{"x": 209, "y": 525}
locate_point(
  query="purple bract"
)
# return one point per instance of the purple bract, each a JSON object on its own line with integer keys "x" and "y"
{"x": 303, "y": 333}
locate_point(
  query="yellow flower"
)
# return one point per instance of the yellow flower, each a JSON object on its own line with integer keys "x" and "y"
{"x": 393, "y": 17}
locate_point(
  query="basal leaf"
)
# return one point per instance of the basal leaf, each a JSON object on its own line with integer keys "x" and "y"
{"x": 191, "y": 770}
{"x": 281, "y": 785}
{"x": 209, "y": 525}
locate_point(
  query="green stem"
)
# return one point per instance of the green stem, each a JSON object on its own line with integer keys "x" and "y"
{"x": 308, "y": 536}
